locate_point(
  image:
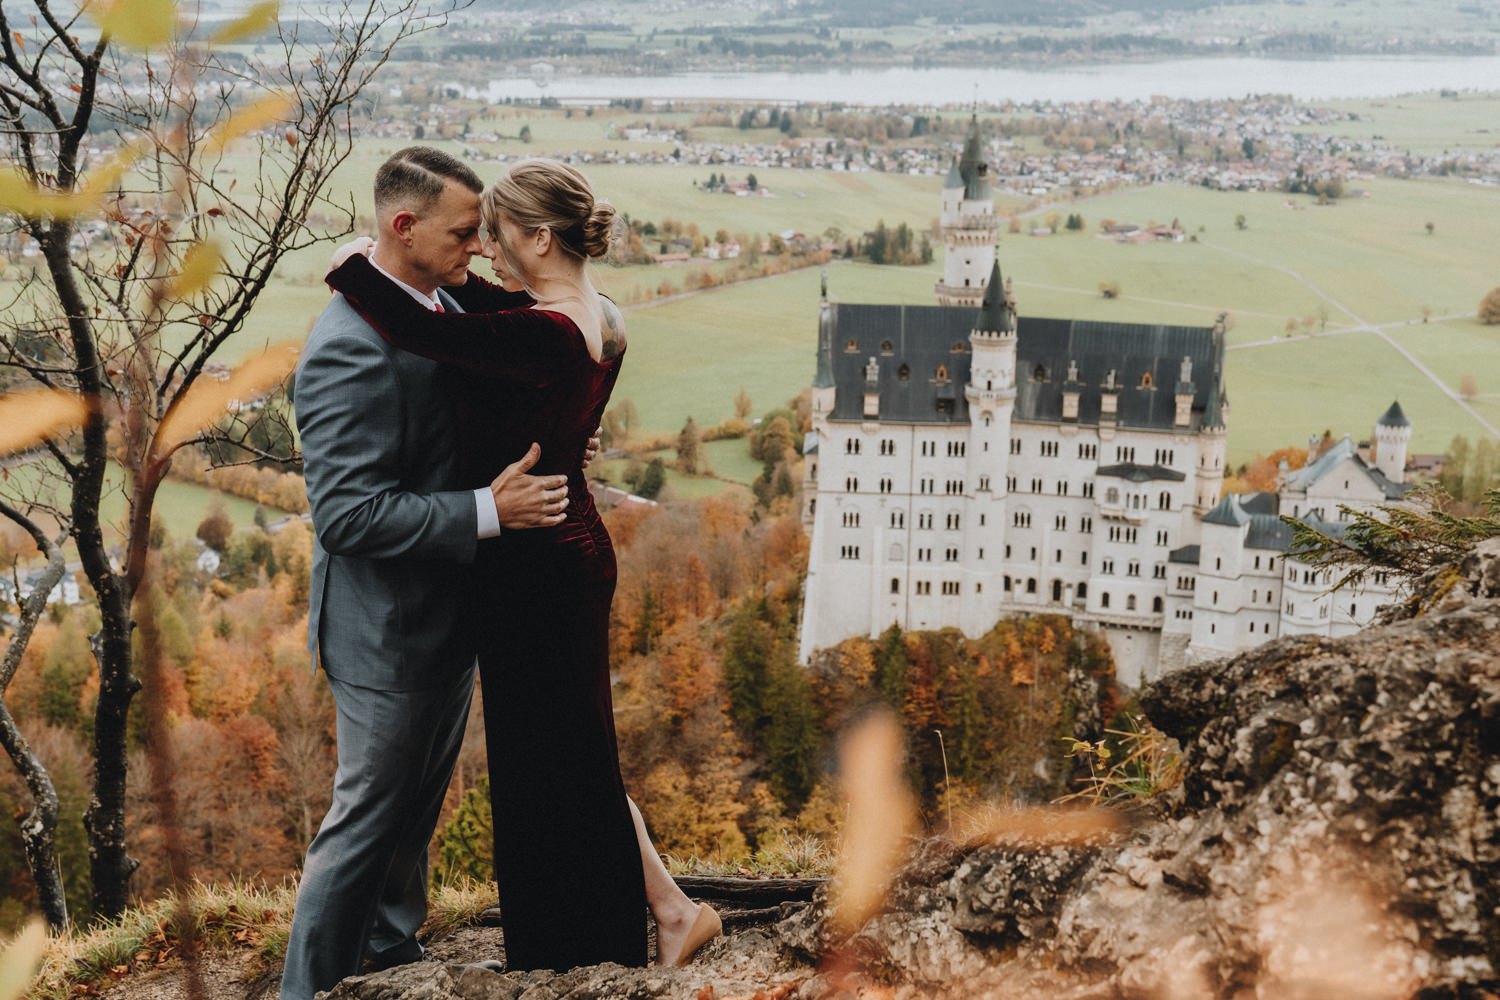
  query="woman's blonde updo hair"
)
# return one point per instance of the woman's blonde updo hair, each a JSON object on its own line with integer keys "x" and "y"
{"x": 544, "y": 192}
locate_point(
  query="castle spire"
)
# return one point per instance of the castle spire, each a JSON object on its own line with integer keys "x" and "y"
{"x": 995, "y": 313}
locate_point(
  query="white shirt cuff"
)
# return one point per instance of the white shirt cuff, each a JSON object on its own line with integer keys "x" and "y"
{"x": 489, "y": 518}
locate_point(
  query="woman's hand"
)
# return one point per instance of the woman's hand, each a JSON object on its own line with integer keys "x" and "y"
{"x": 360, "y": 244}
{"x": 591, "y": 450}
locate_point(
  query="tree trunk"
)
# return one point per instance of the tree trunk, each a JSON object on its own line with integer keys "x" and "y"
{"x": 39, "y": 826}
{"x": 110, "y": 864}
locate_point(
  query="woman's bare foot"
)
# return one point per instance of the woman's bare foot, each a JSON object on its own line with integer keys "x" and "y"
{"x": 684, "y": 931}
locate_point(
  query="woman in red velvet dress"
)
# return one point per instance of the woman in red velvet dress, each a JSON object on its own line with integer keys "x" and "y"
{"x": 572, "y": 859}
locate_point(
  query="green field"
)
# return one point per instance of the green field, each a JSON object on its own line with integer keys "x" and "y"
{"x": 1422, "y": 123}
{"x": 1371, "y": 256}
{"x": 180, "y": 506}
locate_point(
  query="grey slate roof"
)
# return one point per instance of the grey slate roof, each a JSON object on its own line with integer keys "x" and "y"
{"x": 1187, "y": 554}
{"x": 1260, "y": 503}
{"x": 1267, "y": 531}
{"x": 923, "y": 338}
{"x": 1394, "y": 417}
{"x": 1141, "y": 473}
{"x": 1227, "y": 513}
{"x": 1303, "y": 478}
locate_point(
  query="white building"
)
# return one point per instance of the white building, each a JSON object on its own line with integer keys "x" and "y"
{"x": 966, "y": 463}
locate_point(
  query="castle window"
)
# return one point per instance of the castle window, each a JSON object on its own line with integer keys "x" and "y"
{"x": 898, "y": 519}
{"x": 989, "y": 418}
{"x": 1039, "y": 373}
{"x": 895, "y": 585}
{"x": 851, "y": 346}
{"x": 1145, "y": 380}
{"x": 1083, "y": 590}
{"x": 1156, "y": 605}
{"x": 941, "y": 375}
{"x": 1130, "y": 602}
{"x": 1031, "y": 585}
{"x": 959, "y": 347}
{"x": 886, "y": 347}
{"x": 1006, "y": 584}
{"x": 1104, "y": 599}
{"x": 1057, "y": 590}
{"x": 1164, "y": 501}
{"x": 904, "y": 372}
{"x": 1111, "y": 495}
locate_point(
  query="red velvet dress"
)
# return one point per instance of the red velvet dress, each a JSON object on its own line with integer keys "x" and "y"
{"x": 569, "y": 870}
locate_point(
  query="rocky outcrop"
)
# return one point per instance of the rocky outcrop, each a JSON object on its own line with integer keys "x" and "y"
{"x": 1337, "y": 834}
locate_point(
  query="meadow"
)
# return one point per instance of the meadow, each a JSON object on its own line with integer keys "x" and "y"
{"x": 1331, "y": 269}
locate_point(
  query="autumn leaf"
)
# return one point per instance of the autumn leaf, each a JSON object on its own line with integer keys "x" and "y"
{"x": 28, "y": 418}
{"x": 21, "y": 959}
{"x": 141, "y": 24}
{"x": 257, "y": 116}
{"x": 199, "y": 266}
{"x": 255, "y": 20}
{"x": 17, "y": 194}
{"x": 210, "y": 400}
{"x": 880, "y": 814}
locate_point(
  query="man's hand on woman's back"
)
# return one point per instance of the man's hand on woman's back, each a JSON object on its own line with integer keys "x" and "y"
{"x": 527, "y": 501}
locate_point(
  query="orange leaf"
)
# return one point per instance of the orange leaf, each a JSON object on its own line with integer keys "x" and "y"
{"x": 880, "y": 814}
{"x": 210, "y": 401}
{"x": 29, "y": 418}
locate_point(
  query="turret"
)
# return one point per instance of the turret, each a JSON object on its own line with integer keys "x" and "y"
{"x": 991, "y": 392}
{"x": 1392, "y": 437}
{"x": 1213, "y": 436}
{"x": 970, "y": 229}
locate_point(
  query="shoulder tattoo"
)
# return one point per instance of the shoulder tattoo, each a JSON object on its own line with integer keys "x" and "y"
{"x": 613, "y": 332}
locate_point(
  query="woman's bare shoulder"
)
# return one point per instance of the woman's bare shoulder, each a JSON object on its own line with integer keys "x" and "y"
{"x": 612, "y": 331}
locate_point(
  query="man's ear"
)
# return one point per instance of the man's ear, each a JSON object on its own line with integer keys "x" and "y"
{"x": 402, "y": 223}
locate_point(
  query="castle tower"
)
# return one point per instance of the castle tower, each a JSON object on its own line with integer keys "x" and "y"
{"x": 991, "y": 391}
{"x": 1392, "y": 436}
{"x": 1214, "y": 432}
{"x": 822, "y": 404}
{"x": 970, "y": 228}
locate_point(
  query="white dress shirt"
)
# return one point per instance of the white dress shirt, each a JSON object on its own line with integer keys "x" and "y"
{"x": 484, "y": 500}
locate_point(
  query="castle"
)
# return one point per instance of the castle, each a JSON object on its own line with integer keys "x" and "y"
{"x": 966, "y": 462}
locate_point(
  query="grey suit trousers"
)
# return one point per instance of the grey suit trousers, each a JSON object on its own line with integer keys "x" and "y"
{"x": 396, "y": 754}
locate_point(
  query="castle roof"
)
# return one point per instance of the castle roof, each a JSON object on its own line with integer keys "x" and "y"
{"x": 995, "y": 315}
{"x": 1141, "y": 473}
{"x": 955, "y": 178}
{"x": 1227, "y": 513}
{"x": 1394, "y": 417}
{"x": 931, "y": 343}
{"x": 972, "y": 168}
{"x": 1304, "y": 478}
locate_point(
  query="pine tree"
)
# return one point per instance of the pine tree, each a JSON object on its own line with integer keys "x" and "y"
{"x": 1408, "y": 542}
{"x": 890, "y": 667}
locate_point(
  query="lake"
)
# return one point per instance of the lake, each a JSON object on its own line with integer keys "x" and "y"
{"x": 1306, "y": 79}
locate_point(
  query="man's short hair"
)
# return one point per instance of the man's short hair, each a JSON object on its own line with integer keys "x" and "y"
{"x": 414, "y": 177}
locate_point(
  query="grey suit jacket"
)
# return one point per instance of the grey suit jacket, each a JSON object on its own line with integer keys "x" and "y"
{"x": 393, "y": 536}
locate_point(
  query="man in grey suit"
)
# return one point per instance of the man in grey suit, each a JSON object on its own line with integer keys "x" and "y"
{"x": 393, "y": 537}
